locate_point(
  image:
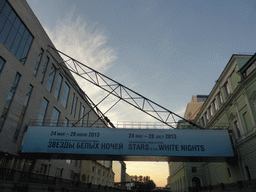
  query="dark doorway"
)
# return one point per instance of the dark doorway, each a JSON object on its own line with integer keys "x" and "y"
{"x": 196, "y": 183}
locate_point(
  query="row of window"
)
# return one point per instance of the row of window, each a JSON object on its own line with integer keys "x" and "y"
{"x": 17, "y": 39}
{"x": 42, "y": 112}
{"x": 50, "y": 80}
{"x": 54, "y": 118}
{"x": 9, "y": 100}
{"x": 65, "y": 92}
{"x": 216, "y": 104}
{"x": 8, "y": 103}
{"x": 99, "y": 172}
{"x": 238, "y": 122}
{"x": 98, "y": 181}
{"x": 56, "y": 115}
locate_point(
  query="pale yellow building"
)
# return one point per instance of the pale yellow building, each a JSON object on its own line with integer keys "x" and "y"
{"x": 96, "y": 173}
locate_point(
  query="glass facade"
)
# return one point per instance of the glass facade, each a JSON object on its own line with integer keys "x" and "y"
{"x": 13, "y": 33}
{"x": 51, "y": 78}
{"x": 58, "y": 86}
{"x": 64, "y": 99}
{"x": 9, "y": 100}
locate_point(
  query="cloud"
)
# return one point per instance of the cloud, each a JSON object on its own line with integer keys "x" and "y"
{"x": 88, "y": 44}
{"x": 85, "y": 42}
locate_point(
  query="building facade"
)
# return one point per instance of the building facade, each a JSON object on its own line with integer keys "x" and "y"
{"x": 35, "y": 90}
{"x": 96, "y": 173}
{"x": 183, "y": 175}
{"x": 229, "y": 106}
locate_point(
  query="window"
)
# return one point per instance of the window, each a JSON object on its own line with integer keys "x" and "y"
{"x": 71, "y": 174}
{"x": 250, "y": 69}
{"x": 2, "y": 62}
{"x": 246, "y": 118}
{"x": 13, "y": 33}
{"x": 55, "y": 117}
{"x": 9, "y": 100}
{"x": 51, "y": 78}
{"x": 66, "y": 121}
{"x": 215, "y": 104}
{"x": 193, "y": 169}
{"x": 83, "y": 177}
{"x": 229, "y": 173}
{"x": 68, "y": 161}
{"x": 210, "y": 111}
{"x": 219, "y": 100}
{"x": 226, "y": 89}
{"x": 58, "y": 172}
{"x": 38, "y": 61}
{"x": 43, "y": 169}
{"x": 72, "y": 104}
{"x": 237, "y": 129}
{"x": 44, "y": 69}
{"x": 248, "y": 174}
{"x": 75, "y": 106}
{"x": 93, "y": 169}
{"x": 82, "y": 115}
{"x": 65, "y": 94}
{"x": 79, "y": 114}
{"x": 213, "y": 107}
{"x": 57, "y": 89}
{"x": 42, "y": 112}
{"x": 202, "y": 120}
{"x": 29, "y": 91}
{"x": 207, "y": 115}
{"x": 76, "y": 163}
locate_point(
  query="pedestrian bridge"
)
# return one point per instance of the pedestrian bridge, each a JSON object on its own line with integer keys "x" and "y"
{"x": 193, "y": 145}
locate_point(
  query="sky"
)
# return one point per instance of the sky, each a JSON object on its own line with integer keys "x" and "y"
{"x": 165, "y": 50}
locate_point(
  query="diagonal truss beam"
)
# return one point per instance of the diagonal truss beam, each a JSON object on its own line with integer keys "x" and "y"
{"x": 120, "y": 91}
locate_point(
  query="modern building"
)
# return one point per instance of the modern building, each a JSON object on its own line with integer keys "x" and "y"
{"x": 231, "y": 105}
{"x": 35, "y": 90}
